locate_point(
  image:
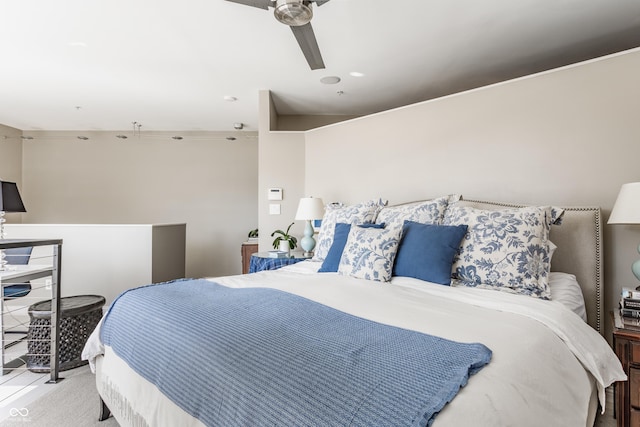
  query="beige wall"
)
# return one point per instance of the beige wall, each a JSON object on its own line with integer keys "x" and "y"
{"x": 569, "y": 136}
{"x": 204, "y": 180}
{"x": 11, "y": 162}
{"x": 281, "y": 166}
{"x": 302, "y": 123}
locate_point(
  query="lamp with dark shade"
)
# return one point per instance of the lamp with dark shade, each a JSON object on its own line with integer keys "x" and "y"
{"x": 309, "y": 209}
{"x": 10, "y": 201}
{"x": 626, "y": 210}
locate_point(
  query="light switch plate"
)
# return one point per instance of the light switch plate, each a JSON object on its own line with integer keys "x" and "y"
{"x": 274, "y": 208}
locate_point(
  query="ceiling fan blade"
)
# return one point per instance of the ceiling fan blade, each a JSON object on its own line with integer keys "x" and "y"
{"x": 262, "y": 4}
{"x": 321, "y": 2}
{"x": 307, "y": 41}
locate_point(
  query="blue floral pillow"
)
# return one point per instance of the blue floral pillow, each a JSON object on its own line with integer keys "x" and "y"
{"x": 357, "y": 214}
{"x": 369, "y": 253}
{"x": 429, "y": 212}
{"x": 340, "y": 236}
{"x": 507, "y": 249}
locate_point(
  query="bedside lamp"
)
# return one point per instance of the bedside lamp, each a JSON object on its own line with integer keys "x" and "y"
{"x": 10, "y": 201}
{"x": 309, "y": 209}
{"x": 626, "y": 210}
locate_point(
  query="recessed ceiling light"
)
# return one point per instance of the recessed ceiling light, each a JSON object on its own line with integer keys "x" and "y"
{"x": 330, "y": 80}
{"x": 356, "y": 74}
{"x": 229, "y": 98}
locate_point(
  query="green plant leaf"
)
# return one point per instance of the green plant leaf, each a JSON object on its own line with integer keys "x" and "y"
{"x": 276, "y": 242}
{"x": 284, "y": 235}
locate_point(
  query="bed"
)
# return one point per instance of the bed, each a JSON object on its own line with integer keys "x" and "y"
{"x": 521, "y": 323}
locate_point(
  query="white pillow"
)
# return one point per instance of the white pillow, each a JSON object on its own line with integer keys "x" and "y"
{"x": 361, "y": 213}
{"x": 428, "y": 212}
{"x": 566, "y": 289}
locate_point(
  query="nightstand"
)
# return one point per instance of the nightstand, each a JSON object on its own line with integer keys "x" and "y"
{"x": 626, "y": 343}
{"x": 261, "y": 261}
{"x": 248, "y": 249}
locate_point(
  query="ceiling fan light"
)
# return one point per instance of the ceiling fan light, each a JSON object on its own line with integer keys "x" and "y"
{"x": 293, "y": 12}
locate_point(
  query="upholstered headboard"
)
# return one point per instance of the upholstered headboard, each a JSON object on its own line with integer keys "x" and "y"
{"x": 579, "y": 252}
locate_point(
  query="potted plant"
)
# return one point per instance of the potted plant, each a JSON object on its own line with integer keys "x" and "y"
{"x": 284, "y": 241}
{"x": 253, "y": 234}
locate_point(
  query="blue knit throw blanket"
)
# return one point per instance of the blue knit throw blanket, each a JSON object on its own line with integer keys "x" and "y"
{"x": 263, "y": 357}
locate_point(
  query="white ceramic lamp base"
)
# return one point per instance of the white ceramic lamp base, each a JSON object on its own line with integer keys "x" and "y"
{"x": 635, "y": 267}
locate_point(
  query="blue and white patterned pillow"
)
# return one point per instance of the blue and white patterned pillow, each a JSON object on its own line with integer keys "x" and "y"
{"x": 369, "y": 253}
{"x": 361, "y": 213}
{"x": 429, "y": 212}
{"x": 505, "y": 249}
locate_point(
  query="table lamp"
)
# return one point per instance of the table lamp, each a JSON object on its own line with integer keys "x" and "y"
{"x": 10, "y": 201}
{"x": 626, "y": 210}
{"x": 309, "y": 209}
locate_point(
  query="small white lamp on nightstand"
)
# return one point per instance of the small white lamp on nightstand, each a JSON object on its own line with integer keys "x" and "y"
{"x": 626, "y": 210}
{"x": 309, "y": 209}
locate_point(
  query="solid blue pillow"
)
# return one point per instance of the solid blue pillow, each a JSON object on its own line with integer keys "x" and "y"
{"x": 426, "y": 251}
{"x": 340, "y": 235}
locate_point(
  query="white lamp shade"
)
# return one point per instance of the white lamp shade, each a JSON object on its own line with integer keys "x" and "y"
{"x": 310, "y": 208}
{"x": 626, "y": 210}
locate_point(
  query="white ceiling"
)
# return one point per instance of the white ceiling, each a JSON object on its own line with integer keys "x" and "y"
{"x": 101, "y": 65}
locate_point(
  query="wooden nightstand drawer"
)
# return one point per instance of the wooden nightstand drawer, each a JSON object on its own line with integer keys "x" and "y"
{"x": 634, "y": 388}
{"x": 247, "y": 250}
{"x": 634, "y": 418}
{"x": 635, "y": 352}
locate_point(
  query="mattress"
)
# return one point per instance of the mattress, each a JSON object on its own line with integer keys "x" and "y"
{"x": 548, "y": 365}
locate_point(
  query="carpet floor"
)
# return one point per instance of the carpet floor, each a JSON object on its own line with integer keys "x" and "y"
{"x": 74, "y": 402}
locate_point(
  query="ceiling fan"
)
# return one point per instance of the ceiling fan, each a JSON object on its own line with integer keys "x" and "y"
{"x": 296, "y": 14}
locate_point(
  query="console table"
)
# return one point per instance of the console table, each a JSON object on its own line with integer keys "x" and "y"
{"x": 15, "y": 274}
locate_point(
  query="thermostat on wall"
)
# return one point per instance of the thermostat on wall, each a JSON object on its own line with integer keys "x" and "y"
{"x": 275, "y": 194}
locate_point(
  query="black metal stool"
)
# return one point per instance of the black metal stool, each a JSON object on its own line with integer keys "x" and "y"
{"x": 79, "y": 315}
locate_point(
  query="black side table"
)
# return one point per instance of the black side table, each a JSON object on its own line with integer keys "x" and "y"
{"x": 79, "y": 316}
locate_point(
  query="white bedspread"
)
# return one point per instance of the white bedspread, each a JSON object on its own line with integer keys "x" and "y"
{"x": 546, "y": 360}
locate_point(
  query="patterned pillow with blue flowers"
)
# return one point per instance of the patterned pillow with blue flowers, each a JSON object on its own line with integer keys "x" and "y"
{"x": 361, "y": 213}
{"x": 369, "y": 253}
{"x": 428, "y": 212}
{"x": 507, "y": 249}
